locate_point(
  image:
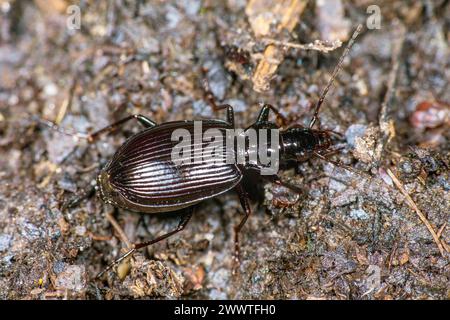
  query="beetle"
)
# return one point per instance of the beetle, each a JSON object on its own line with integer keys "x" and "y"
{"x": 142, "y": 176}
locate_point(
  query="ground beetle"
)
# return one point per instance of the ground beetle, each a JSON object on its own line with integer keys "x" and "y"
{"x": 142, "y": 177}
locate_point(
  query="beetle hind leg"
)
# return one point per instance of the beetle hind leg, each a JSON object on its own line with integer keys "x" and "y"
{"x": 182, "y": 224}
{"x": 243, "y": 198}
{"x": 146, "y": 122}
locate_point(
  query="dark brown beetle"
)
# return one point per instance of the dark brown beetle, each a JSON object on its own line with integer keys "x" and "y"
{"x": 142, "y": 176}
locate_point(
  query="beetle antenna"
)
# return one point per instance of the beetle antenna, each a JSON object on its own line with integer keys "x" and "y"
{"x": 57, "y": 128}
{"x": 333, "y": 76}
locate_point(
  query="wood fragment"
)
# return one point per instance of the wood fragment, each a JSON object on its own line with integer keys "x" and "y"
{"x": 413, "y": 205}
{"x": 441, "y": 229}
{"x": 119, "y": 230}
{"x": 96, "y": 237}
{"x": 318, "y": 45}
{"x": 262, "y": 13}
{"x": 385, "y": 122}
{"x": 439, "y": 234}
{"x": 66, "y": 104}
{"x": 52, "y": 7}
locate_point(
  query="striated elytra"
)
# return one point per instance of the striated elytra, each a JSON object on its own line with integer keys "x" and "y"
{"x": 142, "y": 176}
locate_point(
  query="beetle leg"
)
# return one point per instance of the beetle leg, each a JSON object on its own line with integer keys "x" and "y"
{"x": 183, "y": 222}
{"x": 146, "y": 122}
{"x": 209, "y": 97}
{"x": 230, "y": 112}
{"x": 243, "y": 198}
{"x": 77, "y": 200}
{"x": 277, "y": 180}
{"x": 181, "y": 225}
{"x": 338, "y": 163}
{"x": 330, "y": 153}
{"x": 263, "y": 116}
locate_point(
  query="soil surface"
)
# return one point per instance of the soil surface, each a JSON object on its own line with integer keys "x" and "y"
{"x": 377, "y": 231}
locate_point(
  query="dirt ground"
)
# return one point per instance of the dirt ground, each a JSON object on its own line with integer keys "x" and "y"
{"x": 378, "y": 232}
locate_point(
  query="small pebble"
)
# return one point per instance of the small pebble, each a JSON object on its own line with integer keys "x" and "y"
{"x": 5, "y": 241}
{"x": 73, "y": 277}
{"x": 354, "y": 131}
{"x": 359, "y": 214}
{"x": 218, "y": 81}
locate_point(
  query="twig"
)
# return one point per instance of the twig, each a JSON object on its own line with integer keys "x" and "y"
{"x": 441, "y": 229}
{"x": 318, "y": 45}
{"x": 96, "y": 237}
{"x": 287, "y": 13}
{"x": 384, "y": 121}
{"x": 439, "y": 234}
{"x": 118, "y": 229}
{"x": 413, "y": 205}
{"x": 67, "y": 103}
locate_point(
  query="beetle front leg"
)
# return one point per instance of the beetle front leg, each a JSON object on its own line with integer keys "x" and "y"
{"x": 243, "y": 198}
{"x": 277, "y": 180}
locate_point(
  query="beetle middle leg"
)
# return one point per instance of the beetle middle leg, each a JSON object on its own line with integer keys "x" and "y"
{"x": 135, "y": 246}
{"x": 263, "y": 116}
{"x": 243, "y": 198}
{"x": 325, "y": 157}
{"x": 276, "y": 179}
{"x": 209, "y": 97}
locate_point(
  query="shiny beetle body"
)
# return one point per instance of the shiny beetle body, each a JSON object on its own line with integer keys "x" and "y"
{"x": 143, "y": 177}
